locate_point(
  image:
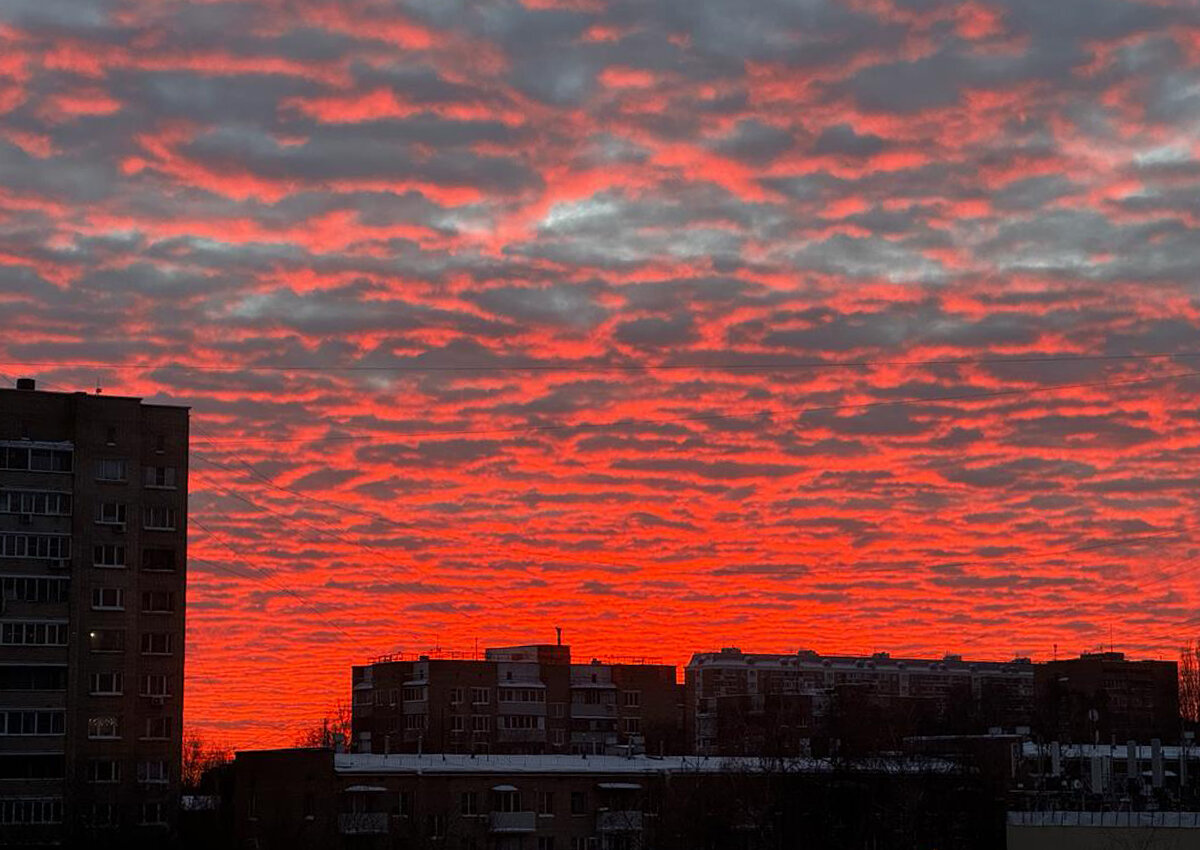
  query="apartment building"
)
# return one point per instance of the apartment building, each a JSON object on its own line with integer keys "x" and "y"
{"x": 745, "y": 703}
{"x": 302, "y": 799}
{"x": 1103, "y": 697}
{"x": 516, "y": 699}
{"x": 93, "y": 507}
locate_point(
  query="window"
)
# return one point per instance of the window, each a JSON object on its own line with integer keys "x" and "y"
{"x": 33, "y": 633}
{"x": 481, "y": 696}
{"x": 152, "y": 772}
{"x": 456, "y": 723}
{"x": 415, "y": 721}
{"x": 33, "y": 677}
{"x": 108, "y": 555}
{"x": 522, "y": 721}
{"x": 507, "y": 801}
{"x": 545, "y": 803}
{"x": 108, "y": 599}
{"x": 105, "y": 684}
{"x": 110, "y": 513}
{"x": 545, "y": 842}
{"x": 481, "y": 723}
{"x": 156, "y": 643}
{"x": 521, "y": 695}
{"x": 24, "y": 458}
{"x": 154, "y": 814}
{"x": 104, "y": 770}
{"x": 579, "y": 842}
{"x": 158, "y": 602}
{"x": 103, "y": 815}
{"x": 633, "y": 725}
{"x": 112, "y": 469}
{"x": 414, "y": 694}
{"x": 161, "y": 477}
{"x": 106, "y": 640}
{"x": 469, "y": 803}
{"x": 155, "y": 685}
{"x": 558, "y": 709}
{"x": 158, "y": 518}
{"x": 158, "y": 560}
{"x": 578, "y": 803}
{"x": 104, "y": 727}
{"x": 158, "y": 727}
{"x": 35, "y": 502}
{"x": 456, "y": 696}
{"x": 633, "y": 699}
{"x": 32, "y": 722}
{"x": 55, "y": 547}
{"x": 31, "y": 810}
{"x": 404, "y": 805}
{"x": 437, "y": 825}
{"x": 558, "y": 737}
{"x": 33, "y": 589}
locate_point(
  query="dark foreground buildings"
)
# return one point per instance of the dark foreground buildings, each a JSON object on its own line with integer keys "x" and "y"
{"x": 517, "y": 699}
{"x": 301, "y": 799}
{"x": 1102, "y": 697}
{"x": 93, "y": 501}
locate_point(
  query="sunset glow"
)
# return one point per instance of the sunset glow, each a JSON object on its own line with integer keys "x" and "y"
{"x": 862, "y": 325}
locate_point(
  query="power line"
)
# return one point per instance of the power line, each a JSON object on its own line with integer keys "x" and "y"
{"x": 608, "y": 367}
{"x": 707, "y": 417}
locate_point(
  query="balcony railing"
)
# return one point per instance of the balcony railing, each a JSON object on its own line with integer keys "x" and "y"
{"x": 363, "y": 823}
{"x": 514, "y": 821}
{"x": 593, "y": 711}
{"x": 619, "y": 821}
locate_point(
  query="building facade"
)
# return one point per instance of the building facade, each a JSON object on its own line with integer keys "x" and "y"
{"x": 1102, "y": 697}
{"x": 93, "y": 507}
{"x": 740, "y": 703}
{"x": 517, "y": 699}
{"x": 302, "y": 799}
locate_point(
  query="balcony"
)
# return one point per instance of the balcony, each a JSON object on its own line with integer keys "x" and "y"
{"x": 514, "y": 822}
{"x": 619, "y": 821}
{"x": 363, "y": 823}
{"x": 594, "y": 711}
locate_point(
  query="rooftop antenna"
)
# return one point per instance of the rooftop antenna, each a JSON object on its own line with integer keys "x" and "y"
{"x": 98, "y": 389}
{"x": 558, "y": 631}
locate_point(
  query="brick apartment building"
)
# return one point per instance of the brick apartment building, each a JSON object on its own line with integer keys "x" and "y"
{"x": 741, "y": 704}
{"x": 1104, "y": 697}
{"x": 310, "y": 799}
{"x": 93, "y": 507}
{"x": 518, "y": 699}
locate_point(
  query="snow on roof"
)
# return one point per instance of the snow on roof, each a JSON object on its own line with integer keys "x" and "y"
{"x": 1118, "y": 751}
{"x": 355, "y": 764}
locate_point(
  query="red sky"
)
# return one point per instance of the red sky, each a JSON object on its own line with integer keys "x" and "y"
{"x": 678, "y": 324}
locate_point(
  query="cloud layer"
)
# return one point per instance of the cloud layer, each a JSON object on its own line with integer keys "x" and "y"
{"x": 802, "y": 324}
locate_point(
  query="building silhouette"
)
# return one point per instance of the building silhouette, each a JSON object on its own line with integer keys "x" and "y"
{"x": 93, "y": 507}
{"x": 748, "y": 704}
{"x": 1104, "y": 697}
{"x": 517, "y": 699}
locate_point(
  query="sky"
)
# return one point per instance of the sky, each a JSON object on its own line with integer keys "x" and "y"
{"x": 855, "y": 326}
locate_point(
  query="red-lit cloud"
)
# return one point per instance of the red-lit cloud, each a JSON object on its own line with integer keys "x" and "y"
{"x": 557, "y": 268}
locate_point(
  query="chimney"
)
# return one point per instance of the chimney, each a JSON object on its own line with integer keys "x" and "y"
{"x": 26, "y": 384}
{"x": 558, "y": 629}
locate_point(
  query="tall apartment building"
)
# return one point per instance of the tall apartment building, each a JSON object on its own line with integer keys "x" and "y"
{"x": 743, "y": 703}
{"x": 518, "y": 699}
{"x": 1104, "y": 697}
{"x": 93, "y": 510}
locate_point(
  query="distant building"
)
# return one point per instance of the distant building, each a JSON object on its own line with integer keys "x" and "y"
{"x": 518, "y": 699}
{"x": 1104, "y": 697}
{"x": 93, "y": 543}
{"x": 310, "y": 799}
{"x": 742, "y": 703}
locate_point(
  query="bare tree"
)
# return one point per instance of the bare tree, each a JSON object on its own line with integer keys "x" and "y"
{"x": 199, "y": 757}
{"x": 1189, "y": 682}
{"x": 333, "y": 732}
